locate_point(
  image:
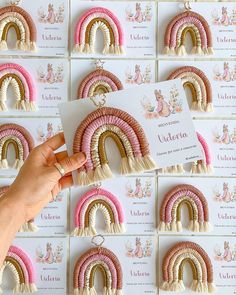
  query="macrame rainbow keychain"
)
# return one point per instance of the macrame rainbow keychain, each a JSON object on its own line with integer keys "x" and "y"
{"x": 22, "y": 268}
{"x": 99, "y": 81}
{"x": 21, "y": 140}
{"x": 199, "y": 167}
{"x": 23, "y": 86}
{"x": 87, "y": 206}
{"x": 15, "y": 17}
{"x": 170, "y": 212}
{"x": 98, "y": 258}
{"x": 90, "y": 137}
{"x": 173, "y": 265}
{"x": 87, "y": 26}
{"x": 200, "y": 87}
{"x": 183, "y": 23}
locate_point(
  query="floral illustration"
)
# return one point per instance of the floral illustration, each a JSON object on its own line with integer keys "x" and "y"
{"x": 140, "y": 15}
{"x": 50, "y": 255}
{"x": 43, "y": 135}
{"x": 225, "y": 137}
{"x": 226, "y": 253}
{"x": 223, "y": 17}
{"x": 51, "y": 75}
{"x": 138, "y": 77}
{"x": 51, "y": 15}
{"x": 226, "y": 74}
{"x": 140, "y": 249}
{"x": 139, "y": 191}
{"x": 225, "y": 195}
{"x": 162, "y": 107}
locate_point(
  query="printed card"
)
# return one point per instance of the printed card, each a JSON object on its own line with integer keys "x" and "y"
{"x": 40, "y": 129}
{"x": 222, "y": 78}
{"x": 51, "y": 22}
{"x": 169, "y": 130}
{"x": 221, "y": 138}
{"x": 137, "y": 21}
{"x": 137, "y": 199}
{"x": 136, "y": 255}
{"x": 49, "y": 78}
{"x": 48, "y": 256}
{"x": 221, "y": 18}
{"x": 130, "y": 73}
{"x": 220, "y": 197}
{"x": 222, "y": 254}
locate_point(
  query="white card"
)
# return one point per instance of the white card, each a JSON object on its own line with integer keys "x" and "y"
{"x": 222, "y": 26}
{"x": 51, "y": 21}
{"x": 49, "y": 259}
{"x": 137, "y": 257}
{"x": 221, "y": 251}
{"x": 130, "y": 73}
{"x": 220, "y": 195}
{"x": 137, "y": 198}
{"x": 170, "y": 132}
{"x": 222, "y": 77}
{"x": 138, "y": 24}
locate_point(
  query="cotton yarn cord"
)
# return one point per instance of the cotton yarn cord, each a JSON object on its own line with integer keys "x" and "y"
{"x": 179, "y": 26}
{"x": 199, "y": 85}
{"x": 22, "y": 269}
{"x": 170, "y": 211}
{"x": 15, "y": 17}
{"x": 22, "y": 141}
{"x": 173, "y": 263}
{"x": 86, "y": 266}
{"x": 23, "y": 86}
{"x": 87, "y": 207}
{"x": 98, "y": 81}
{"x": 87, "y": 26}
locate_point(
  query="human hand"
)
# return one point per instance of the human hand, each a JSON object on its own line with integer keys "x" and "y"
{"x": 39, "y": 181}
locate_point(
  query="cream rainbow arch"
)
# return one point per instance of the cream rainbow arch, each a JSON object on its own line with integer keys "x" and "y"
{"x": 23, "y": 86}
{"x": 193, "y": 198}
{"x": 22, "y": 268}
{"x": 16, "y": 17}
{"x": 87, "y": 26}
{"x": 87, "y": 207}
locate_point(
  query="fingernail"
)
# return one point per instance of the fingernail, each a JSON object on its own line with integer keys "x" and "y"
{"x": 82, "y": 156}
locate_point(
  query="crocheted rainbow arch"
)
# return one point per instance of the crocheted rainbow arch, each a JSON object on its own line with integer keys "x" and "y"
{"x": 15, "y": 17}
{"x": 198, "y": 83}
{"x": 87, "y": 206}
{"x": 20, "y": 138}
{"x": 23, "y": 86}
{"x": 22, "y": 268}
{"x": 98, "y": 82}
{"x": 87, "y": 26}
{"x": 170, "y": 212}
{"x": 177, "y": 29}
{"x": 173, "y": 265}
{"x": 28, "y": 226}
{"x": 129, "y": 136}
{"x": 98, "y": 258}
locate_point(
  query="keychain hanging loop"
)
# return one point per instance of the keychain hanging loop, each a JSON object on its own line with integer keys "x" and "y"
{"x": 187, "y": 5}
{"x": 99, "y": 100}
{"x": 99, "y": 64}
{"x": 14, "y": 2}
{"x": 93, "y": 240}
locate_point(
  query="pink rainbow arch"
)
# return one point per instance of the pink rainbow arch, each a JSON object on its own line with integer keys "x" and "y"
{"x": 87, "y": 206}
{"x": 23, "y": 85}
{"x": 99, "y": 18}
{"x": 20, "y": 264}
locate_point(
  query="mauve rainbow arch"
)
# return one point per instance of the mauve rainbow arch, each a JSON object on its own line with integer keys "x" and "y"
{"x": 129, "y": 136}
{"x": 17, "y": 18}
{"x": 173, "y": 265}
{"x": 23, "y": 86}
{"x": 22, "y": 268}
{"x": 170, "y": 211}
{"x": 196, "y": 25}
{"x": 85, "y": 268}
{"x": 87, "y": 26}
{"x": 87, "y": 206}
